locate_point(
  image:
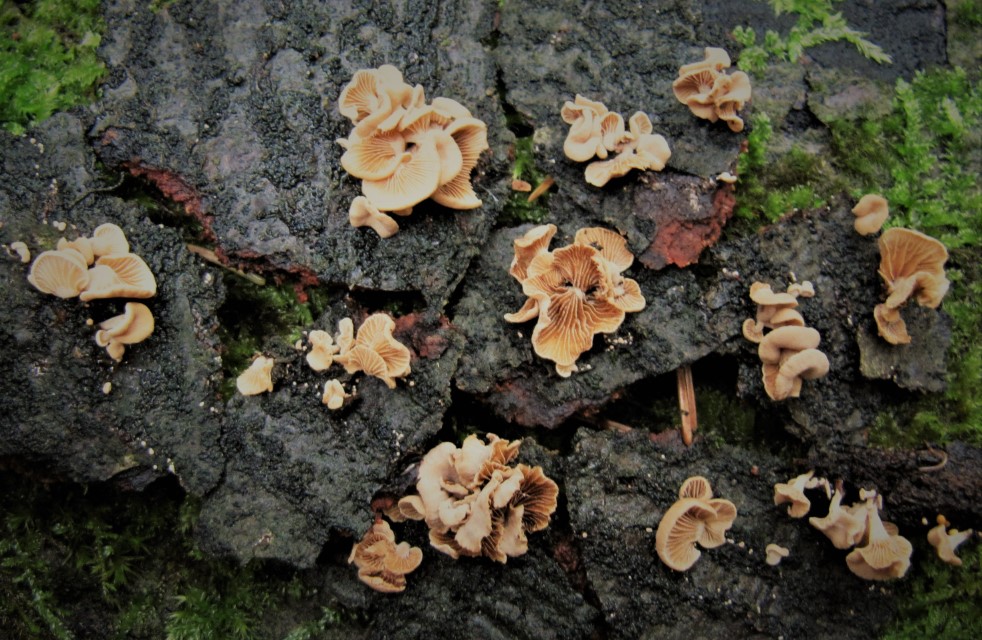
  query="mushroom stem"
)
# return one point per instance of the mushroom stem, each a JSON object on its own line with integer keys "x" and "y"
{"x": 687, "y": 403}
{"x": 544, "y": 186}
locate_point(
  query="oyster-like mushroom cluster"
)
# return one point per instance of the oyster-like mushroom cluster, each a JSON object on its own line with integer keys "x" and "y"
{"x": 711, "y": 94}
{"x": 879, "y": 552}
{"x": 598, "y": 132}
{"x": 695, "y": 518}
{"x": 912, "y": 266}
{"x": 100, "y": 267}
{"x": 789, "y": 352}
{"x": 475, "y": 503}
{"x": 382, "y": 563}
{"x": 405, "y": 150}
{"x": 574, "y": 292}
{"x": 373, "y": 351}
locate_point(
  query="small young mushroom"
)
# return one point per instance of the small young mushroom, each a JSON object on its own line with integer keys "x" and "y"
{"x": 802, "y": 289}
{"x": 258, "y": 378}
{"x": 793, "y": 491}
{"x": 108, "y": 239}
{"x": 334, "y": 395}
{"x": 23, "y": 253}
{"x": 775, "y": 553}
{"x": 363, "y": 214}
{"x": 322, "y": 350}
{"x": 871, "y": 212}
{"x": 376, "y": 352}
{"x": 946, "y": 542}
{"x": 679, "y": 530}
{"x": 133, "y": 326}
{"x": 382, "y": 564}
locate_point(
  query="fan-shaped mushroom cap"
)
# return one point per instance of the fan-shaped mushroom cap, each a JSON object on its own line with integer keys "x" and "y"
{"x": 789, "y": 338}
{"x": 753, "y": 330}
{"x": 653, "y": 151}
{"x": 885, "y": 556}
{"x": 601, "y": 172}
{"x": 322, "y": 350}
{"x": 62, "y": 273}
{"x": 871, "y": 212}
{"x": 134, "y": 325}
{"x": 762, "y": 294}
{"x": 414, "y": 180}
{"x": 334, "y": 395}
{"x": 534, "y": 242}
{"x": 537, "y": 495}
{"x": 804, "y": 365}
{"x": 786, "y": 317}
{"x": 611, "y": 133}
{"x": 737, "y": 90}
{"x": 363, "y": 214}
{"x": 640, "y": 124}
{"x": 714, "y": 534}
{"x": 612, "y": 246}
{"x": 946, "y": 542}
{"x": 696, "y": 487}
{"x": 844, "y": 527}
{"x": 258, "y": 378}
{"x": 775, "y": 553}
{"x": 793, "y": 491}
{"x": 345, "y": 337}
{"x": 584, "y": 140}
{"x": 120, "y": 276}
{"x": 573, "y": 305}
{"x": 713, "y": 58}
{"x": 681, "y": 526}
{"x": 375, "y": 333}
{"x": 108, "y": 239}
{"x": 82, "y": 245}
{"x": 471, "y": 137}
{"x": 904, "y": 252}
{"x": 698, "y": 89}
{"x": 364, "y": 96}
{"x": 375, "y": 157}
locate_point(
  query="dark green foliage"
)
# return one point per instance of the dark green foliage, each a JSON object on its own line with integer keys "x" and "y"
{"x": 942, "y": 601}
{"x": 770, "y": 188}
{"x": 816, "y": 24}
{"x": 254, "y": 314}
{"x": 70, "y": 556}
{"x": 48, "y": 58}
{"x": 518, "y": 210}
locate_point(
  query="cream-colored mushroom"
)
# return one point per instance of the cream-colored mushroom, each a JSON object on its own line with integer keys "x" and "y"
{"x": 871, "y": 212}
{"x": 334, "y": 395}
{"x": 61, "y": 273}
{"x": 363, "y": 214}
{"x": 322, "y": 350}
{"x": 109, "y": 239}
{"x": 844, "y": 527}
{"x": 119, "y": 276}
{"x": 134, "y": 325}
{"x": 793, "y": 491}
{"x": 258, "y": 378}
{"x": 946, "y": 542}
{"x": 775, "y": 553}
{"x": 886, "y": 556}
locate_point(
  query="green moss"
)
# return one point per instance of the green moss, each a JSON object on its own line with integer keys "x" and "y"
{"x": 48, "y": 58}
{"x": 772, "y": 185}
{"x": 941, "y": 601}
{"x": 816, "y": 24}
{"x": 724, "y": 419}
{"x": 91, "y": 562}
{"x": 518, "y": 210}
{"x": 254, "y": 315}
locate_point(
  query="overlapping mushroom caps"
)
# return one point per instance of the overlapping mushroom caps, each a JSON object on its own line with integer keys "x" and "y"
{"x": 946, "y": 542}
{"x": 382, "y": 563}
{"x": 475, "y": 503}
{"x": 596, "y": 132}
{"x": 375, "y": 351}
{"x": 574, "y": 292}
{"x": 405, "y": 150}
{"x": 886, "y": 554}
{"x": 789, "y": 351}
{"x": 711, "y": 94}
{"x": 696, "y": 517}
{"x": 911, "y": 265}
{"x": 117, "y": 273}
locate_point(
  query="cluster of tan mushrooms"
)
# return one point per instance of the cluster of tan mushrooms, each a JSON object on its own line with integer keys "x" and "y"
{"x": 695, "y": 518}
{"x": 789, "y": 351}
{"x": 711, "y": 94}
{"x": 574, "y": 292}
{"x": 382, "y": 563}
{"x": 373, "y": 351}
{"x": 99, "y": 267}
{"x": 475, "y": 504}
{"x": 879, "y": 552}
{"x": 597, "y": 132}
{"x": 404, "y": 150}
